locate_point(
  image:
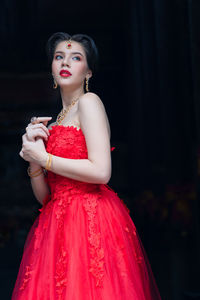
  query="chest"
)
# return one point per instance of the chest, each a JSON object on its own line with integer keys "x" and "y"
{"x": 67, "y": 142}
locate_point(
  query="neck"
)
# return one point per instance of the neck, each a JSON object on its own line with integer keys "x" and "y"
{"x": 70, "y": 95}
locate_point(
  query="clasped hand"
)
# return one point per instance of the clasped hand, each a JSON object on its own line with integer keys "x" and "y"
{"x": 33, "y": 148}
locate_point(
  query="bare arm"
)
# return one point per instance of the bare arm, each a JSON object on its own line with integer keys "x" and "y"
{"x": 38, "y": 132}
{"x": 95, "y": 169}
{"x": 38, "y": 184}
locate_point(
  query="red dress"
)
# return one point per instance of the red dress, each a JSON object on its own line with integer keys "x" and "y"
{"x": 83, "y": 245}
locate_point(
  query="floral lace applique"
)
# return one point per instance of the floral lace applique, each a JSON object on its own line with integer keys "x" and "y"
{"x": 94, "y": 238}
{"x": 67, "y": 142}
{"x": 27, "y": 276}
{"x": 39, "y": 233}
{"x": 120, "y": 261}
{"x": 61, "y": 268}
{"x": 132, "y": 234}
{"x": 61, "y": 259}
{"x": 139, "y": 258}
{"x": 133, "y": 231}
{"x": 43, "y": 221}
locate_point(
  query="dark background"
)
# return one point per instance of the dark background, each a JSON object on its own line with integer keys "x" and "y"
{"x": 149, "y": 81}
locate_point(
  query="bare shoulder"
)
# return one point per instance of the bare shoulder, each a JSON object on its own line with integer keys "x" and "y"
{"x": 90, "y": 99}
{"x": 91, "y": 107}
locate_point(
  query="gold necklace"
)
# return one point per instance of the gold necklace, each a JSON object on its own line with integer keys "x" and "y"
{"x": 64, "y": 112}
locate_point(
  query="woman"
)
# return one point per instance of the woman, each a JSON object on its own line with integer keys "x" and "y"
{"x": 83, "y": 245}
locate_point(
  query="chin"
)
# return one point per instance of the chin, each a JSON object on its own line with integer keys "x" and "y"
{"x": 65, "y": 84}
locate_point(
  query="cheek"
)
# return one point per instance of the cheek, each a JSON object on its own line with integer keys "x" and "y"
{"x": 81, "y": 69}
{"x": 53, "y": 66}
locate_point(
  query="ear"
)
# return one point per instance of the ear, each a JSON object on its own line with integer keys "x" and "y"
{"x": 89, "y": 74}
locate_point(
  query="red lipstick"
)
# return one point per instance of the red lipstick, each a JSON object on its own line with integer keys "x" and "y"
{"x": 65, "y": 73}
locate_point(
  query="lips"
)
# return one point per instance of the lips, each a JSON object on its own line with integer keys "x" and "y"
{"x": 65, "y": 73}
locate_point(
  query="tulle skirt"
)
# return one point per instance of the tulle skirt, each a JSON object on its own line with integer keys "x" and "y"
{"x": 84, "y": 247}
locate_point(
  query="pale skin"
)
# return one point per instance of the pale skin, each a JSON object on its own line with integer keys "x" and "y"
{"x": 88, "y": 114}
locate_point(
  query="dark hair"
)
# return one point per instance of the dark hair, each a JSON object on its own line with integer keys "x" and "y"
{"x": 86, "y": 41}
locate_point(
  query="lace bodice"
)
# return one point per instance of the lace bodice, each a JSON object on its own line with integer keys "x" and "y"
{"x": 67, "y": 142}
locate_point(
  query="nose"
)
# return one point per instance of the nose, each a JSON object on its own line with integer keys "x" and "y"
{"x": 66, "y": 62}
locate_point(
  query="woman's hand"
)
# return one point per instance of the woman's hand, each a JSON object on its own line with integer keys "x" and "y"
{"x": 38, "y": 129}
{"x": 33, "y": 151}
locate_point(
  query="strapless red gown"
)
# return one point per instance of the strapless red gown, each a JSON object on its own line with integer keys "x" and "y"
{"x": 83, "y": 245}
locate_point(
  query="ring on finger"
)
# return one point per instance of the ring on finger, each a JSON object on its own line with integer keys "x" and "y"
{"x": 33, "y": 120}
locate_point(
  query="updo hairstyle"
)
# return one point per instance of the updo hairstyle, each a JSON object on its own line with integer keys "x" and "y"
{"x": 87, "y": 43}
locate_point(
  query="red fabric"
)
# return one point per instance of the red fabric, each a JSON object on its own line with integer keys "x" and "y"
{"x": 83, "y": 245}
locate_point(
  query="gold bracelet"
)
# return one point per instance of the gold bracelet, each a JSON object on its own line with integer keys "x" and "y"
{"x": 48, "y": 162}
{"x": 35, "y": 173}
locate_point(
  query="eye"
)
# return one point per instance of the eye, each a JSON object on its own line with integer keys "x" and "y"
{"x": 76, "y": 58}
{"x": 58, "y": 57}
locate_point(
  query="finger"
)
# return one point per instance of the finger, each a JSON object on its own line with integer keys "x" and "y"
{"x": 45, "y": 123}
{"x": 37, "y": 133}
{"x": 24, "y": 138}
{"x": 43, "y": 134}
{"x": 42, "y": 126}
{"x": 30, "y": 136}
{"x": 34, "y": 120}
{"x": 28, "y": 127}
{"x": 43, "y": 119}
{"x": 21, "y": 153}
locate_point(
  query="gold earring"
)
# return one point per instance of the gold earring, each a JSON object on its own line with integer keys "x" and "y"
{"x": 55, "y": 84}
{"x": 87, "y": 84}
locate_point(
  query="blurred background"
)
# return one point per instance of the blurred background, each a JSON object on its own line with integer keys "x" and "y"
{"x": 149, "y": 81}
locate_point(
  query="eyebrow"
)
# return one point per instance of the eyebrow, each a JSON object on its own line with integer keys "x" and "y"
{"x": 71, "y": 53}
